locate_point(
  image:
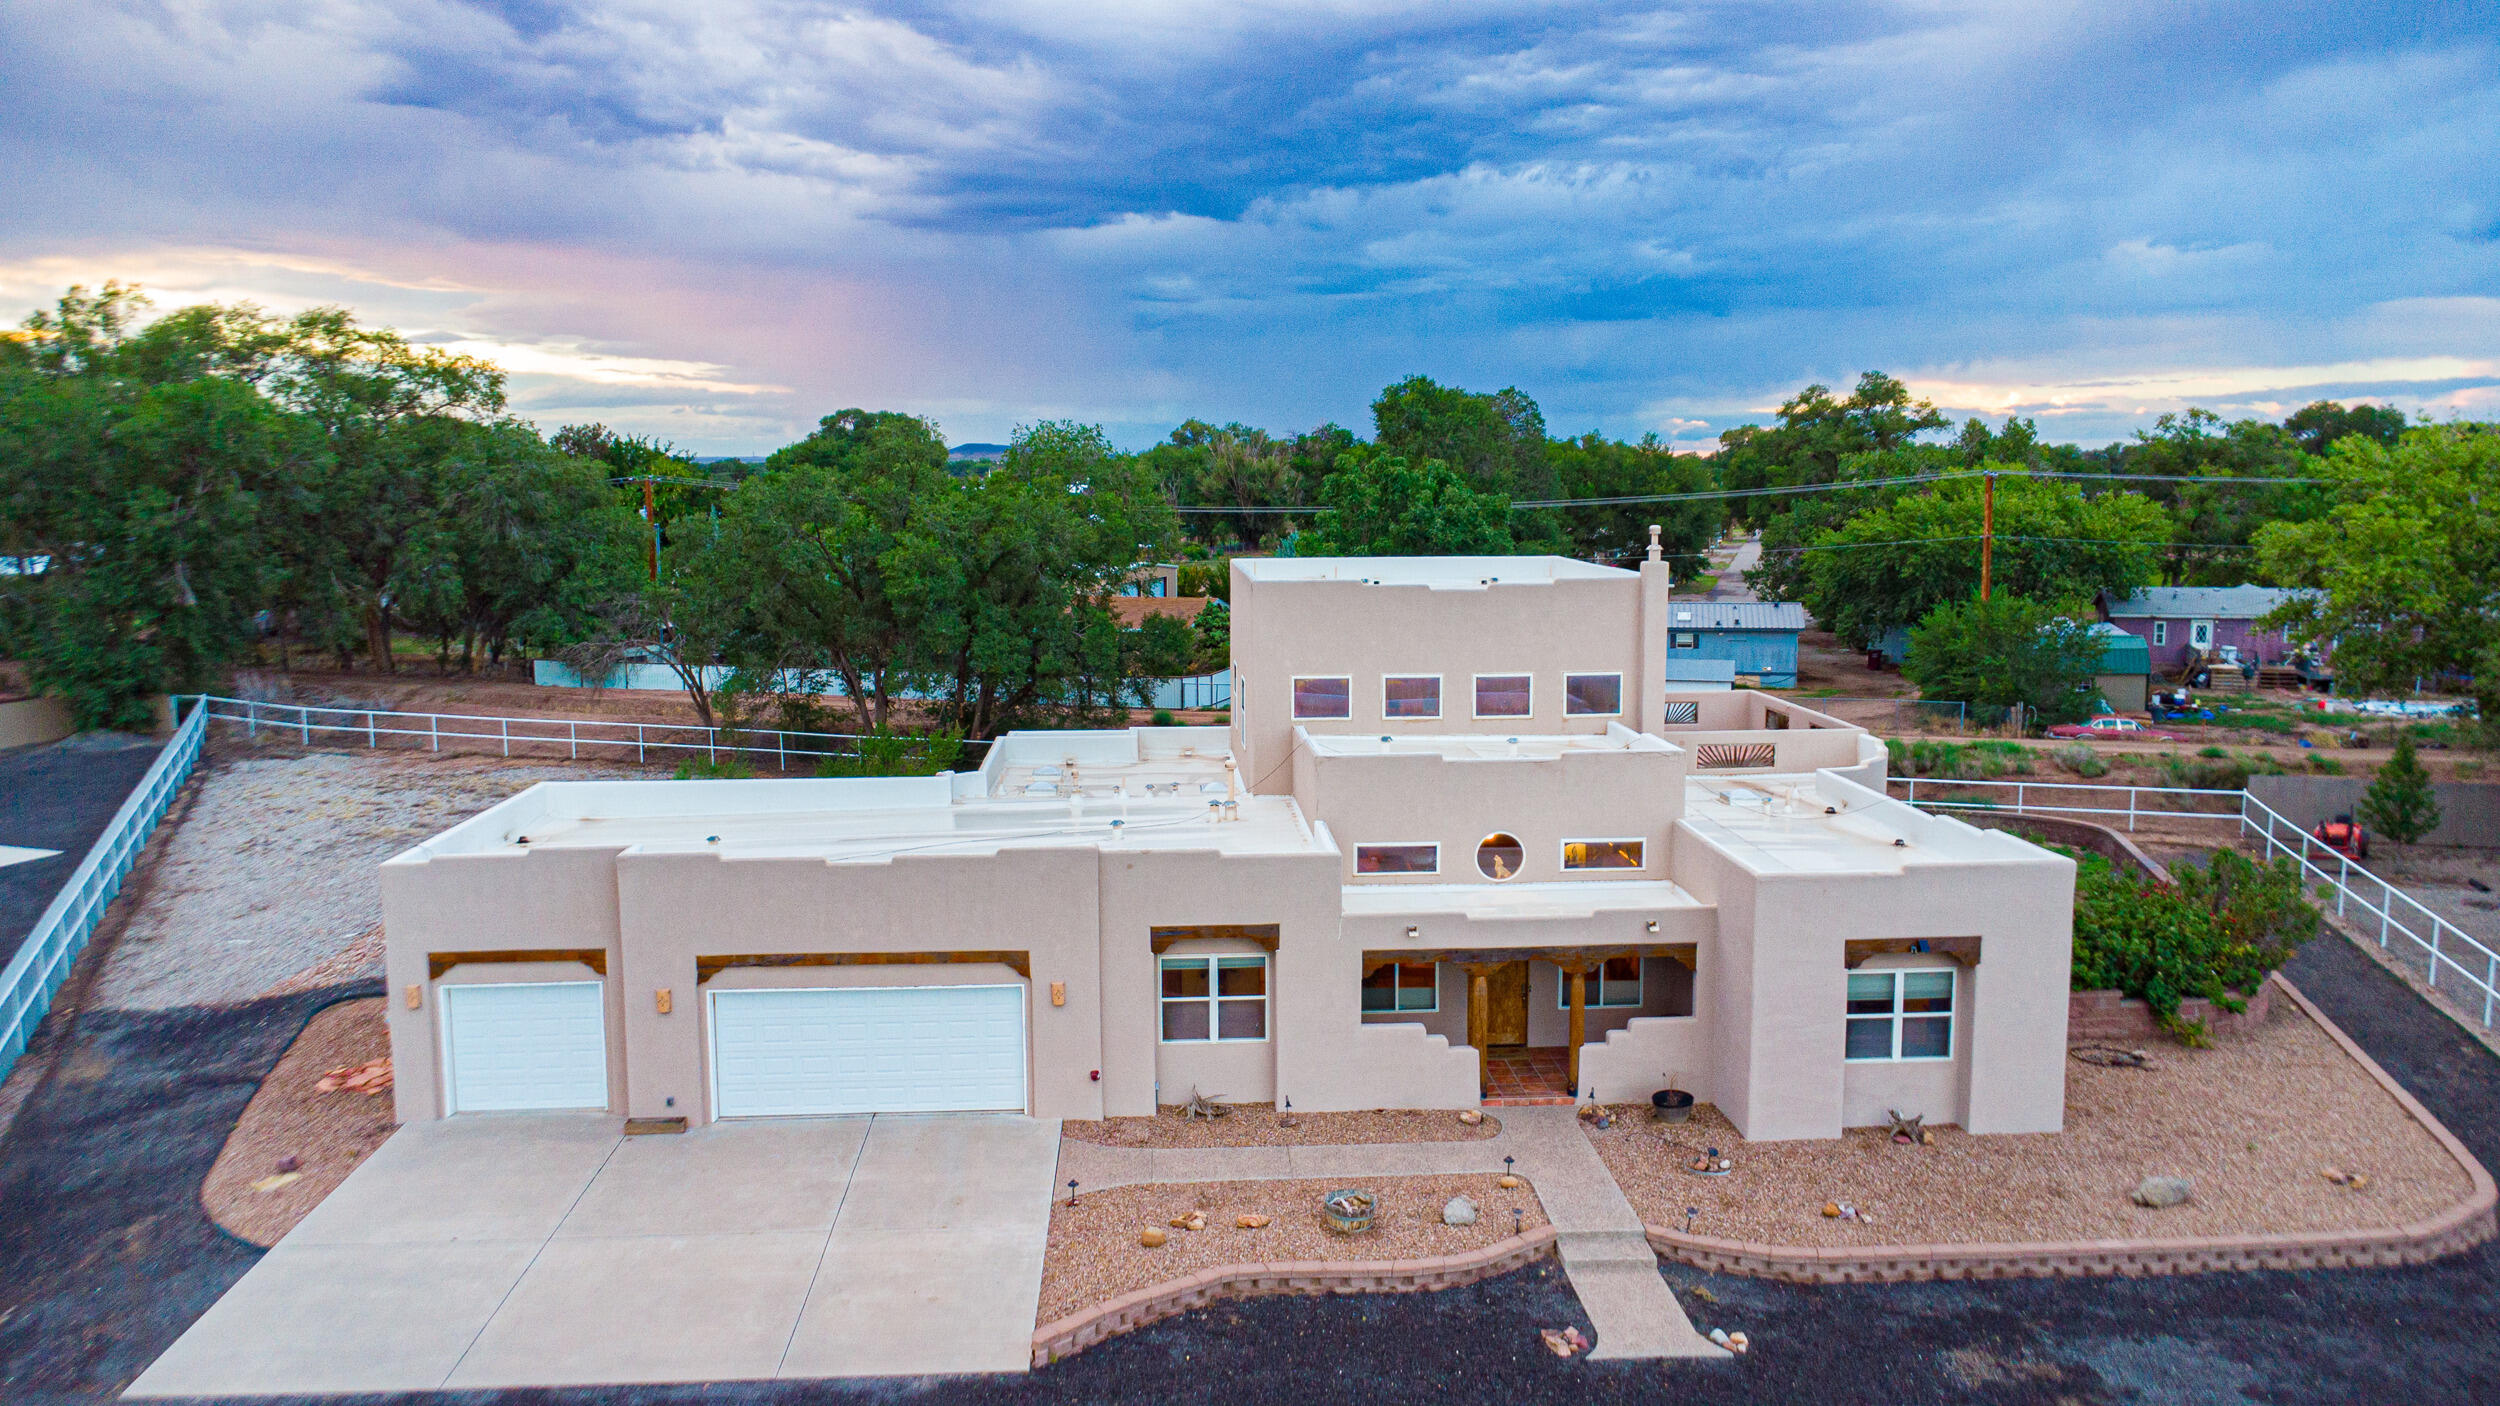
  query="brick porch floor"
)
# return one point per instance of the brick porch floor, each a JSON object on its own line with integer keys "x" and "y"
{"x": 1541, "y": 1074}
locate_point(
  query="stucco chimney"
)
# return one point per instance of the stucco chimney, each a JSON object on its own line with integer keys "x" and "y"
{"x": 1650, "y": 694}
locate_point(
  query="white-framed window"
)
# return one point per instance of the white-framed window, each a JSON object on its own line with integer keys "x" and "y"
{"x": 1901, "y": 1015}
{"x": 1617, "y": 983}
{"x": 1402, "y": 986}
{"x": 1402, "y": 858}
{"x": 1214, "y": 999}
{"x": 1505, "y": 695}
{"x": 1499, "y": 856}
{"x": 1593, "y": 695}
{"x": 1410, "y": 696}
{"x": 1323, "y": 696}
{"x": 2161, "y": 632}
{"x": 1604, "y": 854}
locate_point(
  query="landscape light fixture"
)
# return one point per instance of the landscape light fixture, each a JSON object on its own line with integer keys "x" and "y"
{"x": 1689, "y": 1213}
{"x": 1071, "y": 1191}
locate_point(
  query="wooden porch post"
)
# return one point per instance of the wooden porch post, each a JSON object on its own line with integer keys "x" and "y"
{"x": 1579, "y": 1022}
{"x": 1479, "y": 996}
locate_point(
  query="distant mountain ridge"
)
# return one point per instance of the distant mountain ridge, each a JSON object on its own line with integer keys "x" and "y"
{"x": 977, "y": 451}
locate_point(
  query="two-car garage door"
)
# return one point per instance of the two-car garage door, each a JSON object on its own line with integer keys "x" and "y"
{"x": 868, "y": 1049}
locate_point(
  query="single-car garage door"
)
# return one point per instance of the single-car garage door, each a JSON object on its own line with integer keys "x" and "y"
{"x": 868, "y": 1049}
{"x": 525, "y": 1044}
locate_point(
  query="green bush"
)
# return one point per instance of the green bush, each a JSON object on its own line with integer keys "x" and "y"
{"x": 886, "y": 753}
{"x": 2211, "y": 752}
{"x": 2079, "y": 758}
{"x": 1163, "y": 718}
{"x": 730, "y": 768}
{"x": 2325, "y": 765}
{"x": 2214, "y": 931}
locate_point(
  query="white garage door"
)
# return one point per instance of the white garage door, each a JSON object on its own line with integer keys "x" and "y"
{"x": 868, "y": 1049}
{"x": 532, "y": 1044}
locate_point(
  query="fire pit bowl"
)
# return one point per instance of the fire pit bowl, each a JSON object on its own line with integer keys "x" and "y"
{"x": 1670, "y": 1105}
{"x": 1349, "y": 1212}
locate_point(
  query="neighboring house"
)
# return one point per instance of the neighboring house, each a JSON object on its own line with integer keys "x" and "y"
{"x": 1689, "y": 675}
{"x": 2126, "y": 667}
{"x": 1161, "y": 579}
{"x": 1457, "y": 816}
{"x": 2178, "y": 623}
{"x": 1759, "y": 638}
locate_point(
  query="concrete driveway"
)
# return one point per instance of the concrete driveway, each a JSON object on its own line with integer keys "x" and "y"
{"x": 544, "y": 1250}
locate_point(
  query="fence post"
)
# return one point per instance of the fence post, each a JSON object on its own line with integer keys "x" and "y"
{"x": 573, "y": 730}
{"x": 2491, "y": 982}
{"x": 303, "y": 719}
{"x": 2432, "y": 980}
{"x": 2386, "y": 910}
{"x": 504, "y": 726}
{"x": 434, "y": 730}
{"x": 638, "y": 752}
{"x": 2019, "y": 792}
{"x": 2131, "y": 810}
{"x": 781, "y": 748}
{"x": 369, "y": 743}
{"x": 251, "y": 719}
{"x": 2343, "y": 878}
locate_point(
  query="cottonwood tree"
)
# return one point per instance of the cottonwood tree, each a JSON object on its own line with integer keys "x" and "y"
{"x": 2004, "y": 652}
{"x": 1393, "y": 508}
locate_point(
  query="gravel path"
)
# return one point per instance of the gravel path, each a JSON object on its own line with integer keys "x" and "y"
{"x": 272, "y": 871}
{"x": 1095, "y": 1253}
{"x": 2251, "y": 1121}
{"x": 1256, "y": 1125}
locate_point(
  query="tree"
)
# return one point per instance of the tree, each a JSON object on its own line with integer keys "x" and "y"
{"x": 2317, "y": 425}
{"x": 1232, "y": 467}
{"x": 1391, "y": 508}
{"x": 1495, "y": 443}
{"x": 2006, "y": 651}
{"x": 2404, "y": 569}
{"x": 2400, "y": 803}
{"x": 1592, "y": 467}
{"x": 2212, "y": 519}
{"x": 1822, "y": 439}
{"x": 1894, "y": 563}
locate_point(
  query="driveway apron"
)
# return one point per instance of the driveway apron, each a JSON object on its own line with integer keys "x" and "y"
{"x": 549, "y": 1250}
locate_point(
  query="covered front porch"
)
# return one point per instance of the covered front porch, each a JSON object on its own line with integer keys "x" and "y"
{"x": 1529, "y": 1011}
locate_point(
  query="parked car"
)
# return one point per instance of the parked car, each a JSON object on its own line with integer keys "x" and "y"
{"x": 2111, "y": 725}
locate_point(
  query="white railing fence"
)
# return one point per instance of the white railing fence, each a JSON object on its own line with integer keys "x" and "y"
{"x": 39, "y": 967}
{"x": 2452, "y": 959}
{"x": 571, "y": 738}
{"x": 2076, "y": 798}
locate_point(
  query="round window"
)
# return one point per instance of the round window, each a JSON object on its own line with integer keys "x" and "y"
{"x": 1499, "y": 857}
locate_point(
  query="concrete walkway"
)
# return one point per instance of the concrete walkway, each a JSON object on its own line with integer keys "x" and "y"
{"x": 550, "y": 1250}
{"x": 1611, "y": 1266}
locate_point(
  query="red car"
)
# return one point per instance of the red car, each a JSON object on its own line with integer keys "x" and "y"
{"x": 2112, "y": 726}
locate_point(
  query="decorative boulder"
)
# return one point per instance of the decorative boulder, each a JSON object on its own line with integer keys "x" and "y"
{"x": 1460, "y": 1211}
{"x": 2158, "y": 1192}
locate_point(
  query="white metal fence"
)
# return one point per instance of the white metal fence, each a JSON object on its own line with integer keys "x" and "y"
{"x": 571, "y": 738}
{"x": 2076, "y": 798}
{"x": 2451, "y": 958}
{"x": 39, "y": 967}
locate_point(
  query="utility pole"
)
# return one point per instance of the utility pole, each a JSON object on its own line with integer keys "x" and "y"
{"x": 1987, "y": 528}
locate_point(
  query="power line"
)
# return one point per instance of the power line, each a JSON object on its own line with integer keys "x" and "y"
{"x": 2010, "y": 537}
{"x": 1787, "y": 490}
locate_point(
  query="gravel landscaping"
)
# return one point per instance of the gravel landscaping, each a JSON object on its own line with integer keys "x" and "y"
{"x": 326, "y": 1135}
{"x": 1258, "y": 1125}
{"x": 2252, "y": 1121}
{"x": 1095, "y": 1253}
{"x": 270, "y": 875}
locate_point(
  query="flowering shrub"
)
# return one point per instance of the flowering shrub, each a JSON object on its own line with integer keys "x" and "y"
{"x": 2214, "y": 931}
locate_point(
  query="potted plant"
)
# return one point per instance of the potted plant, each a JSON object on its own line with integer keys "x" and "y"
{"x": 1671, "y": 1104}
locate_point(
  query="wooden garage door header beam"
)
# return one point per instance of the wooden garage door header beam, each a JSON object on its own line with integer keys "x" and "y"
{"x": 595, "y": 958}
{"x": 707, "y": 967}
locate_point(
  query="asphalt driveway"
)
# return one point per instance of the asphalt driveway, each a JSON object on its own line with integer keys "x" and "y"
{"x": 518, "y": 1250}
{"x": 58, "y": 797}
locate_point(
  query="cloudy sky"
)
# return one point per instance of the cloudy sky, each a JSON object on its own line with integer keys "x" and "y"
{"x": 715, "y": 222}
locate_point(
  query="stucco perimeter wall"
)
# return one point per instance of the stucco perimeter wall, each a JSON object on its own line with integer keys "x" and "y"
{"x": 531, "y": 900}
{"x": 1456, "y": 804}
{"x": 1777, "y": 994}
{"x": 31, "y": 722}
{"x": 2469, "y": 811}
{"x": 1312, "y": 979}
{"x": 1545, "y": 628}
{"x": 681, "y": 906}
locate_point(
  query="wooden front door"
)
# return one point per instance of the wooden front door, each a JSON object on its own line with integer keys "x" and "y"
{"x": 1506, "y": 1005}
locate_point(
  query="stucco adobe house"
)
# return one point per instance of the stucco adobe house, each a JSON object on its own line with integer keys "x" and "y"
{"x": 1459, "y": 825}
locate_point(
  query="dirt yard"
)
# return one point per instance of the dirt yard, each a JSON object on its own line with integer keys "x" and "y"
{"x": 267, "y": 884}
{"x": 2252, "y": 1121}
{"x": 1258, "y": 1125}
{"x": 1095, "y": 1252}
{"x": 328, "y": 1135}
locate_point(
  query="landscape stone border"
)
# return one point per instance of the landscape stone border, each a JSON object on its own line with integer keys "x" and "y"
{"x": 2468, "y": 1223}
{"x": 1112, "y": 1317}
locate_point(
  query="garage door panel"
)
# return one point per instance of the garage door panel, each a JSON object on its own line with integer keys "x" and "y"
{"x": 512, "y": 1046}
{"x": 870, "y": 1049}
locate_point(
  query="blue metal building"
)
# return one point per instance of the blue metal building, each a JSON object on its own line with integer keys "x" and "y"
{"x": 1758, "y": 637}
